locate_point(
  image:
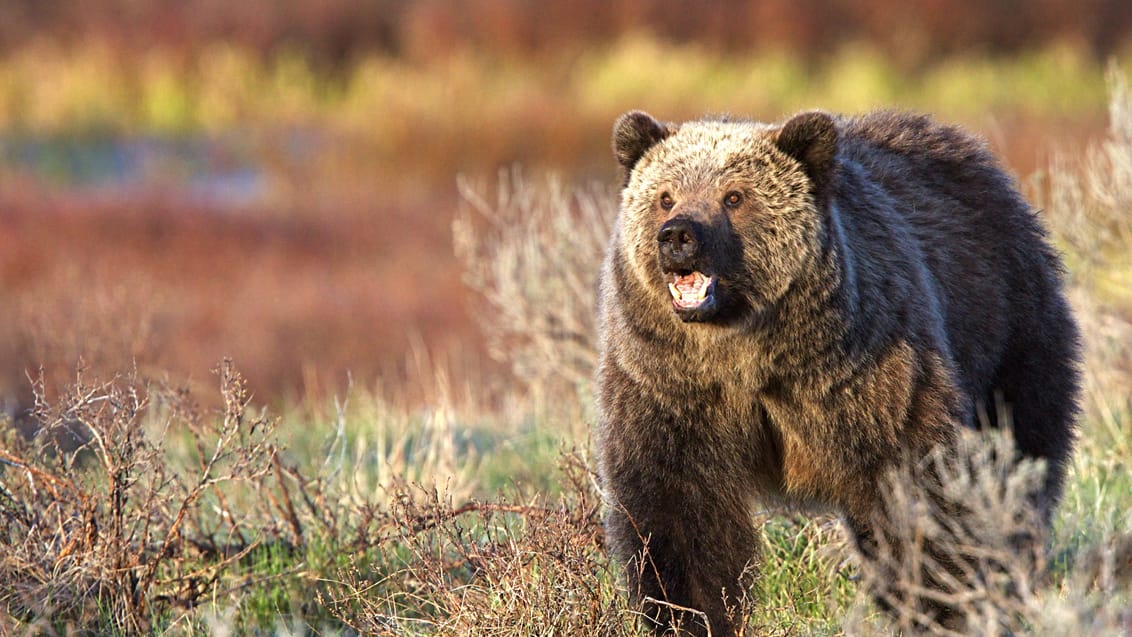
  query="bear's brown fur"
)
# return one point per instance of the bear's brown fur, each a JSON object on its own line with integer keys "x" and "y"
{"x": 791, "y": 311}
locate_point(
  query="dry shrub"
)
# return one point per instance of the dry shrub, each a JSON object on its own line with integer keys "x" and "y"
{"x": 103, "y": 529}
{"x": 1087, "y": 204}
{"x": 485, "y": 568}
{"x": 1087, "y": 201}
{"x": 534, "y": 255}
{"x": 960, "y": 533}
{"x": 961, "y": 550}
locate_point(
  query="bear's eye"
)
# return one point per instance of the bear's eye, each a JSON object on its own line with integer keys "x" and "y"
{"x": 666, "y": 201}
{"x": 733, "y": 199}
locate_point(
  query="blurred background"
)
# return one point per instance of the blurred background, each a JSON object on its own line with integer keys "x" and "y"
{"x": 276, "y": 180}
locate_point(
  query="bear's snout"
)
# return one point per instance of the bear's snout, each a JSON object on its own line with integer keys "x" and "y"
{"x": 679, "y": 241}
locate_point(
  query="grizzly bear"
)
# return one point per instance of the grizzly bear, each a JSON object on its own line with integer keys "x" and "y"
{"x": 791, "y": 311}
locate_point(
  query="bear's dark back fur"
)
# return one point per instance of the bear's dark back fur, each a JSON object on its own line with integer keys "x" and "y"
{"x": 792, "y": 311}
{"x": 1000, "y": 282}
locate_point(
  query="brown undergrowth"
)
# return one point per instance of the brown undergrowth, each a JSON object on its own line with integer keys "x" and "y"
{"x": 486, "y": 568}
{"x": 107, "y": 527}
{"x": 133, "y": 510}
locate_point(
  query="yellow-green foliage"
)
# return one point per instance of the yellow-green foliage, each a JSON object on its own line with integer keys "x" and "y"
{"x": 48, "y": 89}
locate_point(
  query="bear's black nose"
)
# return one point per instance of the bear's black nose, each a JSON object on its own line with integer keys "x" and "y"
{"x": 679, "y": 242}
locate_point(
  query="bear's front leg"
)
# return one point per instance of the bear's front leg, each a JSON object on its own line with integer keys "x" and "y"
{"x": 685, "y": 548}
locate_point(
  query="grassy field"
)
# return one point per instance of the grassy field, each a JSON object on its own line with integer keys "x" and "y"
{"x": 471, "y": 508}
{"x": 141, "y": 190}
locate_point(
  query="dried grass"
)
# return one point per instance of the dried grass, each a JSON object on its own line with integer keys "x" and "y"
{"x": 485, "y": 568}
{"x": 533, "y": 255}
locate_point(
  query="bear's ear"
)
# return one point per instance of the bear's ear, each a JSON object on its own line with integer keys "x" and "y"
{"x": 633, "y": 134}
{"x": 811, "y": 138}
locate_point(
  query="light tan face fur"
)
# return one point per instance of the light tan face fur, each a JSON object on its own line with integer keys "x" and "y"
{"x": 759, "y": 246}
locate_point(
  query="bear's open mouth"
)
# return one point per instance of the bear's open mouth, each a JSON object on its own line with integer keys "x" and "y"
{"x": 690, "y": 291}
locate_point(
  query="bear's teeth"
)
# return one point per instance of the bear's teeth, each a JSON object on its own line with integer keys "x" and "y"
{"x": 690, "y": 290}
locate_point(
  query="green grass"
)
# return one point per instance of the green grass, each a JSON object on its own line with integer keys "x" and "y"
{"x": 803, "y": 587}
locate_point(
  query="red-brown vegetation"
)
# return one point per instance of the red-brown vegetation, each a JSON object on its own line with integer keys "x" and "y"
{"x": 299, "y": 301}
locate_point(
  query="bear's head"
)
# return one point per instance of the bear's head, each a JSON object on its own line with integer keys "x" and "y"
{"x": 718, "y": 218}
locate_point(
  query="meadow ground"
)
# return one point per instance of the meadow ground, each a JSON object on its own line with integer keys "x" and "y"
{"x": 143, "y": 507}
